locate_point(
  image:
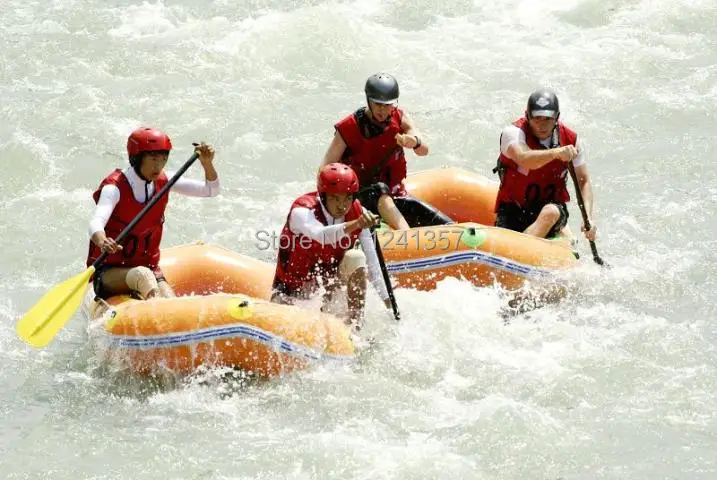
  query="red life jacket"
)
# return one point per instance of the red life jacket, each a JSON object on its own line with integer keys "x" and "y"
{"x": 141, "y": 246}
{"x": 536, "y": 188}
{"x": 301, "y": 260}
{"x": 378, "y": 158}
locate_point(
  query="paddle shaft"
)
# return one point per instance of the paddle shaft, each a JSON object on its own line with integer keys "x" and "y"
{"x": 155, "y": 198}
{"x": 386, "y": 279}
{"x": 581, "y": 204}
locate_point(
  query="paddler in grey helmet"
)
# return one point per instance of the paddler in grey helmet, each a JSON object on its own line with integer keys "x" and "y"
{"x": 371, "y": 141}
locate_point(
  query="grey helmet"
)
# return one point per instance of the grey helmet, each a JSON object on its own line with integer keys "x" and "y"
{"x": 381, "y": 88}
{"x": 543, "y": 103}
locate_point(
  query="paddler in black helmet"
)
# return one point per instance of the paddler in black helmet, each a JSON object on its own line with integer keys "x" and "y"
{"x": 371, "y": 141}
{"x": 533, "y": 167}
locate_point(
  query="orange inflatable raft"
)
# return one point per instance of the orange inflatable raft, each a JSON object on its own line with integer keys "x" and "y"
{"x": 221, "y": 317}
{"x": 472, "y": 249}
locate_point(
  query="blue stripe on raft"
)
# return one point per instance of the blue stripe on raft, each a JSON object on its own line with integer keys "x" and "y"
{"x": 473, "y": 256}
{"x": 217, "y": 333}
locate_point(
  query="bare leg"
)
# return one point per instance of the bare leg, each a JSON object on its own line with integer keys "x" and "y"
{"x": 353, "y": 274}
{"x": 390, "y": 213}
{"x": 567, "y": 234}
{"x": 356, "y": 296}
{"x": 165, "y": 290}
{"x": 549, "y": 215}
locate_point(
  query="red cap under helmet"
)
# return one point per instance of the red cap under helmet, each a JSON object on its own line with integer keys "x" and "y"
{"x": 145, "y": 139}
{"x": 337, "y": 178}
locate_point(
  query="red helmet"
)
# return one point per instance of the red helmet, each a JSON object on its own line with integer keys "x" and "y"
{"x": 337, "y": 178}
{"x": 146, "y": 139}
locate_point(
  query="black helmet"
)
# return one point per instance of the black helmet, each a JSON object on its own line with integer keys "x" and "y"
{"x": 543, "y": 103}
{"x": 381, "y": 88}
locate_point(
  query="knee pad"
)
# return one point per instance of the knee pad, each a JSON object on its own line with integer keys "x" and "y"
{"x": 142, "y": 280}
{"x": 352, "y": 261}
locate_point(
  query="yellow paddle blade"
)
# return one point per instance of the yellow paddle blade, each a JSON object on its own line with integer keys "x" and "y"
{"x": 42, "y": 322}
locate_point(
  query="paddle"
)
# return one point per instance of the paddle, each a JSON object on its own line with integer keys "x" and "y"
{"x": 42, "y": 322}
{"x": 384, "y": 272}
{"x": 581, "y": 204}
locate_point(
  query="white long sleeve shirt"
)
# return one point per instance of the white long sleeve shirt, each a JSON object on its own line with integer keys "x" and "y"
{"x": 303, "y": 222}
{"x": 110, "y": 194}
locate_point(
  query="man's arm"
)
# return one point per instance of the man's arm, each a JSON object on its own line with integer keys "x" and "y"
{"x": 581, "y": 172}
{"x": 411, "y": 136}
{"x": 513, "y": 145}
{"x": 335, "y": 151}
{"x": 374, "y": 269}
{"x": 302, "y": 221}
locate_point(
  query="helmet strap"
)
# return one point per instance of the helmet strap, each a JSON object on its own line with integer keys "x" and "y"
{"x": 322, "y": 200}
{"x": 555, "y": 136}
{"x": 368, "y": 105}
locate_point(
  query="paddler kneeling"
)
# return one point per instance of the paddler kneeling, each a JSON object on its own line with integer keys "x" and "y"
{"x": 133, "y": 266}
{"x": 318, "y": 240}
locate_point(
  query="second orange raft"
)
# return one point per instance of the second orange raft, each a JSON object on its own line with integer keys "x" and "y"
{"x": 472, "y": 249}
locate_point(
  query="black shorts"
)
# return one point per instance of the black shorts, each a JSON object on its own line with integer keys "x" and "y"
{"x": 416, "y": 212}
{"x": 101, "y": 291}
{"x": 368, "y": 196}
{"x": 514, "y": 217}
